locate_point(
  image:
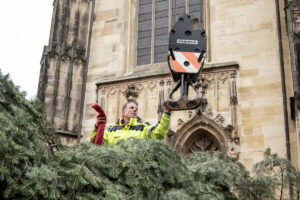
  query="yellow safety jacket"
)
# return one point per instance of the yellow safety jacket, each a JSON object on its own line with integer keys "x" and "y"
{"x": 133, "y": 129}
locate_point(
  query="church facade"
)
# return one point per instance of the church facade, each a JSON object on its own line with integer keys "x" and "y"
{"x": 109, "y": 51}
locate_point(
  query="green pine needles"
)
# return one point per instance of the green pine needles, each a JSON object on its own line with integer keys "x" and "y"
{"x": 26, "y": 140}
{"x": 35, "y": 165}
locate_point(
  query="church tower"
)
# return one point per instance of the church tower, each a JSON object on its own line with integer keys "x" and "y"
{"x": 63, "y": 65}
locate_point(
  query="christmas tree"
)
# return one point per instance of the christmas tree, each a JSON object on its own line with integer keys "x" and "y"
{"x": 35, "y": 165}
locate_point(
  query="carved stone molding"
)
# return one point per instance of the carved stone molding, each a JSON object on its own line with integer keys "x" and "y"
{"x": 113, "y": 91}
{"x": 180, "y": 122}
{"x": 201, "y": 83}
{"x": 131, "y": 92}
{"x": 123, "y": 89}
{"x": 53, "y": 54}
{"x": 80, "y": 52}
{"x": 296, "y": 20}
{"x": 169, "y": 82}
{"x": 139, "y": 87}
{"x": 65, "y": 58}
{"x": 230, "y": 129}
{"x": 161, "y": 83}
{"x": 170, "y": 136}
{"x": 161, "y": 98}
{"x": 210, "y": 78}
{"x": 234, "y": 150}
{"x": 169, "y": 86}
{"x": 102, "y": 98}
{"x": 151, "y": 85}
{"x": 103, "y": 92}
{"x": 219, "y": 119}
{"x": 78, "y": 61}
{"x": 233, "y": 90}
{"x": 222, "y": 77}
{"x": 233, "y": 100}
{"x": 203, "y": 134}
{"x": 190, "y": 114}
{"x": 233, "y": 74}
{"x": 233, "y": 105}
{"x": 209, "y": 112}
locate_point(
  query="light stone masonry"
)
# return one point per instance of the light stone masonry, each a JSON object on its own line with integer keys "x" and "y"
{"x": 241, "y": 82}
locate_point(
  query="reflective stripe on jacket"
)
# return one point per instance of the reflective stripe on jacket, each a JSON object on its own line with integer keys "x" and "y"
{"x": 136, "y": 130}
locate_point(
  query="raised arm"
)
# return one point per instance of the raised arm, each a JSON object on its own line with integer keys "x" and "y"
{"x": 160, "y": 130}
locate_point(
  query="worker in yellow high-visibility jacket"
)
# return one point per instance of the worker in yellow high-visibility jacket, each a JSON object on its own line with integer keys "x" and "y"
{"x": 129, "y": 127}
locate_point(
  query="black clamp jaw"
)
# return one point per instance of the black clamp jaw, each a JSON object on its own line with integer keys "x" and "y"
{"x": 187, "y": 49}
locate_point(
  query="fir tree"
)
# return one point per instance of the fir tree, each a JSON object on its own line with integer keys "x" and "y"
{"x": 280, "y": 172}
{"x": 26, "y": 140}
{"x": 35, "y": 165}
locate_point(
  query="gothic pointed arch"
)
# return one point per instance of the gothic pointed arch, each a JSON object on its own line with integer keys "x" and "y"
{"x": 201, "y": 134}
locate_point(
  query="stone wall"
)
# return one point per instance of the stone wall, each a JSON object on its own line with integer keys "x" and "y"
{"x": 293, "y": 27}
{"x": 241, "y": 31}
{"x": 63, "y": 63}
{"x": 111, "y": 44}
{"x": 246, "y": 32}
{"x": 243, "y": 113}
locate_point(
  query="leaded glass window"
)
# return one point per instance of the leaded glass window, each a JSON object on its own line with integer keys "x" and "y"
{"x": 144, "y": 32}
{"x": 152, "y": 44}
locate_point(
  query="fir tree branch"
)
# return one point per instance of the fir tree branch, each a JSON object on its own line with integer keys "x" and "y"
{"x": 22, "y": 172}
{"x": 281, "y": 190}
{"x": 130, "y": 197}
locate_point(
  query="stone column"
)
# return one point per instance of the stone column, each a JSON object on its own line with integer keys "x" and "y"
{"x": 233, "y": 104}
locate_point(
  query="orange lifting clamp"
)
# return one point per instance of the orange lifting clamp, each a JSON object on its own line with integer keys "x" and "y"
{"x": 187, "y": 49}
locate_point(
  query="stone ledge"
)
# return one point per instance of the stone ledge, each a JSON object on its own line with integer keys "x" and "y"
{"x": 220, "y": 66}
{"x": 161, "y": 71}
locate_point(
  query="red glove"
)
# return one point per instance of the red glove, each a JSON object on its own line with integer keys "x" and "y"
{"x": 101, "y": 124}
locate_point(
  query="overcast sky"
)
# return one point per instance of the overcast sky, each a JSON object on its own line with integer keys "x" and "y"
{"x": 25, "y": 28}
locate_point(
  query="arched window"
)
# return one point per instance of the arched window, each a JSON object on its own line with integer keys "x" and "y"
{"x": 201, "y": 134}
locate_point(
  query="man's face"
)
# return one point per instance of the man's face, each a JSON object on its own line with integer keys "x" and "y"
{"x": 130, "y": 111}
